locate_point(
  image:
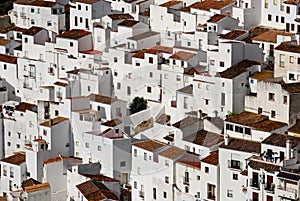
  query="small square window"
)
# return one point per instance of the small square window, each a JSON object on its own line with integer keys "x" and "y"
{"x": 149, "y": 89}
{"x": 122, "y": 163}
{"x": 206, "y": 170}
{"x": 222, "y": 63}
{"x": 115, "y": 59}
{"x": 259, "y": 110}
{"x": 167, "y": 180}
{"x": 273, "y": 114}
{"x": 71, "y": 44}
{"x": 8, "y": 144}
{"x": 99, "y": 148}
{"x": 87, "y": 145}
{"x": 235, "y": 176}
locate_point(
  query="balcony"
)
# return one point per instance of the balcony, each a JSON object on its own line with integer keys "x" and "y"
{"x": 254, "y": 184}
{"x": 270, "y": 188}
{"x": 141, "y": 194}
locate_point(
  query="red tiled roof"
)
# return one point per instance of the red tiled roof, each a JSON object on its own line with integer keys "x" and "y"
{"x": 74, "y": 34}
{"x": 16, "y": 159}
{"x": 271, "y": 36}
{"x": 216, "y": 18}
{"x": 37, "y": 187}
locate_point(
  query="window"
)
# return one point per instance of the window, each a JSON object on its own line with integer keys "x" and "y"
{"x": 165, "y": 194}
{"x": 206, "y": 170}
{"x": 4, "y": 170}
{"x": 223, "y": 99}
{"x": 277, "y": 18}
{"x": 122, "y": 163}
{"x": 222, "y": 64}
{"x": 212, "y": 62}
{"x": 182, "y": 63}
{"x": 128, "y": 90}
{"x": 32, "y": 10}
{"x": 207, "y": 87}
{"x": 199, "y": 85}
{"x": 135, "y": 184}
{"x": 166, "y": 180}
{"x": 45, "y": 132}
{"x": 288, "y": 10}
{"x": 56, "y": 112}
{"x": 118, "y": 85}
{"x": 71, "y": 44}
{"x": 86, "y": 8}
{"x": 115, "y": 59}
{"x": 32, "y": 21}
{"x": 145, "y": 156}
{"x": 167, "y": 163}
{"x": 151, "y": 60}
{"x": 284, "y": 99}
{"x": 188, "y": 43}
{"x": 150, "y": 74}
{"x": 230, "y": 193}
{"x": 269, "y": 17}
{"x": 282, "y": 19}
{"x": 18, "y": 146}
{"x": 9, "y": 133}
{"x": 186, "y": 189}
{"x": 77, "y": 143}
{"x": 273, "y": 113}
{"x": 298, "y": 60}
{"x": 25, "y": 40}
{"x": 99, "y": 148}
{"x": 259, "y": 110}
{"x": 185, "y": 102}
{"x": 184, "y": 23}
{"x": 292, "y": 27}
{"x": 178, "y": 78}
{"x": 291, "y": 76}
{"x": 154, "y": 193}
{"x": 271, "y": 97}
{"x": 186, "y": 178}
{"x": 135, "y": 152}
{"x": 88, "y": 88}
{"x": 198, "y": 177}
{"x": 79, "y": 7}
{"x": 87, "y": 145}
{"x": 76, "y": 21}
{"x": 235, "y": 176}
{"x": 248, "y": 131}
{"x": 206, "y": 101}
{"x": 49, "y": 23}
{"x": 137, "y": 63}
{"x": 229, "y": 127}
{"x": 238, "y": 129}
{"x": 149, "y": 89}
{"x": 8, "y": 144}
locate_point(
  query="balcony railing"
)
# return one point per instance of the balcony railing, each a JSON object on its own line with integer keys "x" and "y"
{"x": 270, "y": 188}
{"x": 234, "y": 164}
{"x": 291, "y": 190}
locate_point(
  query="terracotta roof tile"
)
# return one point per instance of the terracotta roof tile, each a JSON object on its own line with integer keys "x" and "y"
{"x": 100, "y": 177}
{"x": 190, "y": 159}
{"x": 43, "y": 3}
{"x": 4, "y": 41}
{"x": 256, "y": 121}
{"x": 113, "y": 122}
{"x": 181, "y": 55}
{"x": 29, "y": 182}
{"x": 128, "y": 23}
{"x": 8, "y": 59}
{"x": 269, "y": 167}
{"x": 12, "y": 28}
{"x": 204, "y": 138}
{"x": 74, "y": 34}
{"x": 242, "y": 145}
{"x": 212, "y": 158}
{"x": 295, "y": 128}
{"x": 61, "y": 84}
{"x": 279, "y": 140}
{"x": 32, "y": 31}
{"x": 170, "y": 3}
{"x": 102, "y": 99}
{"x": 154, "y": 50}
{"x": 211, "y": 4}
{"x": 288, "y": 47}
{"x": 271, "y": 36}
{"x": 291, "y": 87}
{"x": 37, "y": 187}
{"x": 163, "y": 119}
{"x": 172, "y": 152}
{"x": 292, "y": 2}
{"x": 22, "y": 107}
{"x": 238, "y": 69}
{"x": 216, "y": 18}
{"x": 188, "y": 121}
{"x": 149, "y": 145}
{"x": 124, "y": 16}
{"x": 233, "y": 34}
{"x": 263, "y": 75}
{"x": 16, "y": 159}
{"x": 93, "y": 190}
{"x": 54, "y": 121}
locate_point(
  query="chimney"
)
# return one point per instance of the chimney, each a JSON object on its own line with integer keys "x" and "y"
{"x": 226, "y": 139}
{"x": 288, "y": 149}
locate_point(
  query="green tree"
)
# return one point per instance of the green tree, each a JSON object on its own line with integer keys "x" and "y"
{"x": 5, "y": 6}
{"x": 137, "y": 104}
